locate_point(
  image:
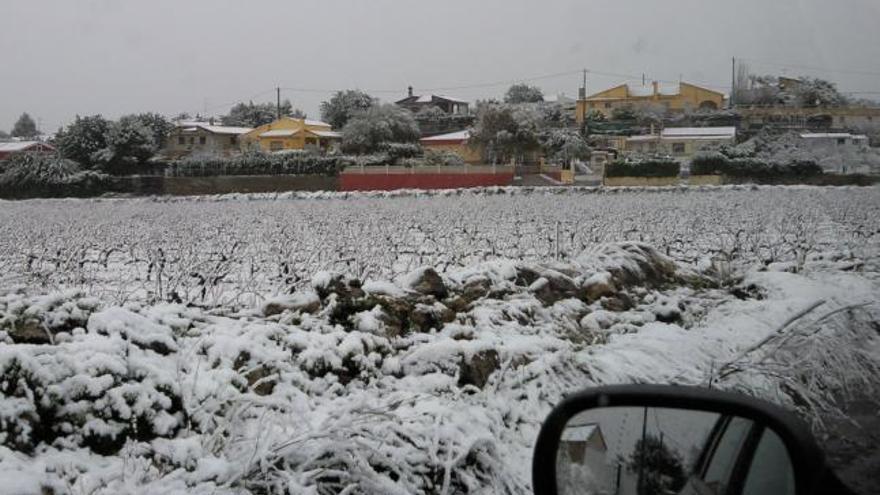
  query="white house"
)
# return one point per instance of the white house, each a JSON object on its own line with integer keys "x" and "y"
{"x": 682, "y": 143}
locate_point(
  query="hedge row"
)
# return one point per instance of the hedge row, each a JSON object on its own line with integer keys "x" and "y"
{"x": 647, "y": 168}
{"x": 260, "y": 163}
{"x": 308, "y": 163}
{"x": 718, "y": 164}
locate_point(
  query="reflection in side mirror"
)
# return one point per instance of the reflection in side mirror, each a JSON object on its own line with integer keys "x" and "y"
{"x": 653, "y": 440}
{"x": 648, "y": 450}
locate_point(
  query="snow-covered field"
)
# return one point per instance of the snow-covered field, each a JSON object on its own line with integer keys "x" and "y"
{"x": 405, "y": 343}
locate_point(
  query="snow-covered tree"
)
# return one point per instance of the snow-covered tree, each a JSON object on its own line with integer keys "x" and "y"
{"x": 661, "y": 468}
{"x": 343, "y": 105}
{"x": 83, "y": 138}
{"x": 159, "y": 126}
{"x": 564, "y": 145}
{"x": 626, "y": 112}
{"x": 25, "y": 127}
{"x": 4, "y": 134}
{"x": 254, "y": 115}
{"x": 523, "y": 93}
{"x": 813, "y": 92}
{"x": 367, "y": 131}
{"x": 801, "y": 92}
{"x": 506, "y": 131}
{"x": 130, "y": 141}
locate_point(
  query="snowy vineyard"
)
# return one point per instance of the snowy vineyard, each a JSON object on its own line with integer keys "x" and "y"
{"x": 236, "y": 251}
{"x": 410, "y": 343}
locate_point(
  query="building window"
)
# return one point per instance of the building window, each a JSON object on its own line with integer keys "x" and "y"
{"x": 678, "y": 148}
{"x": 841, "y": 141}
{"x": 233, "y": 140}
{"x": 276, "y": 145}
{"x": 608, "y": 105}
{"x": 203, "y": 140}
{"x": 181, "y": 140}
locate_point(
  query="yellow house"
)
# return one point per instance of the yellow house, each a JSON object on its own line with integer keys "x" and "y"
{"x": 676, "y": 98}
{"x": 288, "y": 133}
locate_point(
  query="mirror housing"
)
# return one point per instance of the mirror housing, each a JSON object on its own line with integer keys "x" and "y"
{"x": 811, "y": 474}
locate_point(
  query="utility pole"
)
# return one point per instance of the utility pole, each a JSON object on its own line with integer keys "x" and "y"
{"x": 641, "y": 470}
{"x": 278, "y": 102}
{"x": 732, "y": 80}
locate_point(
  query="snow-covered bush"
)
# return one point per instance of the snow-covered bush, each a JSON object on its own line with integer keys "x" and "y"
{"x": 564, "y": 145}
{"x": 95, "y": 387}
{"x": 261, "y": 163}
{"x": 30, "y": 174}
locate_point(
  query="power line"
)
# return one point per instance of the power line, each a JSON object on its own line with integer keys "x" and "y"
{"x": 497, "y": 83}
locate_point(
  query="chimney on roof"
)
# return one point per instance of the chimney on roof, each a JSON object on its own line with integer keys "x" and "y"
{"x": 409, "y": 90}
{"x": 656, "y": 86}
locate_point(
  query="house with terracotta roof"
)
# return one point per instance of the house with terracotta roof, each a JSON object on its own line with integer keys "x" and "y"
{"x": 7, "y": 149}
{"x": 198, "y": 138}
{"x": 290, "y": 133}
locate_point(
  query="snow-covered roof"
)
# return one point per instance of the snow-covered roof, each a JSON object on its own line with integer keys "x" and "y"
{"x": 222, "y": 129}
{"x": 279, "y": 133}
{"x": 644, "y": 137}
{"x": 190, "y": 126}
{"x": 13, "y": 146}
{"x": 452, "y": 136}
{"x": 316, "y": 123}
{"x": 580, "y": 433}
{"x": 327, "y": 134}
{"x": 430, "y": 98}
{"x": 648, "y": 89}
{"x": 558, "y": 98}
{"x": 833, "y": 135}
{"x": 699, "y": 132}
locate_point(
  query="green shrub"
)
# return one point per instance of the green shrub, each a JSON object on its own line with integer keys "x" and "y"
{"x": 718, "y": 164}
{"x": 709, "y": 164}
{"x": 646, "y": 168}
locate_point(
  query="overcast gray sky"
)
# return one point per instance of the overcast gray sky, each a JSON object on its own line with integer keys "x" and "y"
{"x": 67, "y": 57}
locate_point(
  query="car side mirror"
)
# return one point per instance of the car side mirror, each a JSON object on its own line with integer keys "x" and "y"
{"x": 656, "y": 439}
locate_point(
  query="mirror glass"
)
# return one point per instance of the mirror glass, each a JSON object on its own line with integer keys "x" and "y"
{"x": 648, "y": 451}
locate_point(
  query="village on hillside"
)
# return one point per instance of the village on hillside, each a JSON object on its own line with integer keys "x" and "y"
{"x": 643, "y": 133}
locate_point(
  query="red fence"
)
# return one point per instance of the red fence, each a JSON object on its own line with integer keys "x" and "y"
{"x": 387, "y": 179}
